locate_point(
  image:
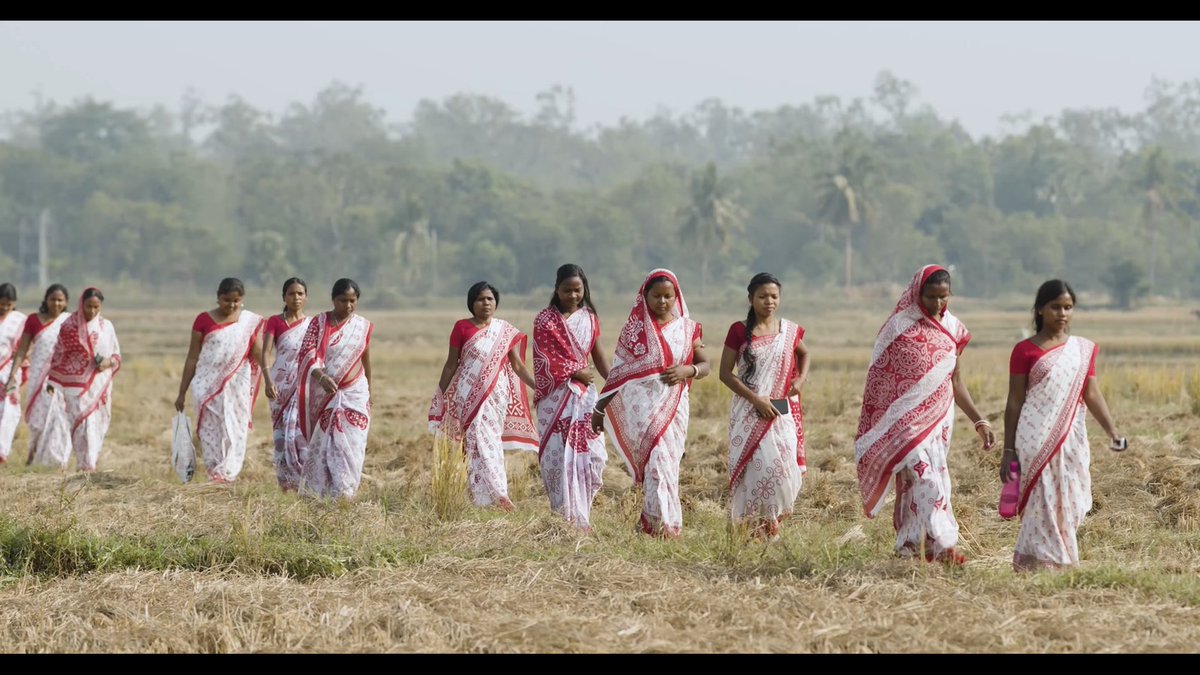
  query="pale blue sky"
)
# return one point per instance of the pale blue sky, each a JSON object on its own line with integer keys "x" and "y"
{"x": 971, "y": 71}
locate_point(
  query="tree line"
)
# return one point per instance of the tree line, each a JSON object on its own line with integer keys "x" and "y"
{"x": 826, "y": 193}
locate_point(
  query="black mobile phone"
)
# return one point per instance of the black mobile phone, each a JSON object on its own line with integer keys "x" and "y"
{"x": 782, "y": 405}
{"x": 1119, "y": 444}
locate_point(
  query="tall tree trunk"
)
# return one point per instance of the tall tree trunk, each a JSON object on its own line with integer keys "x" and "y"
{"x": 43, "y": 253}
{"x": 23, "y": 269}
{"x": 849, "y": 257}
{"x": 1153, "y": 251}
{"x": 433, "y": 262}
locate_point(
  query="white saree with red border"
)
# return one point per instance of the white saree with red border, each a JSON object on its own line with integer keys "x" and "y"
{"x": 486, "y": 406}
{"x": 291, "y": 449}
{"x": 647, "y": 419}
{"x": 1052, "y": 448}
{"x": 334, "y": 425}
{"x": 571, "y": 456}
{"x": 224, "y": 388}
{"x": 81, "y": 411}
{"x": 766, "y": 457}
{"x": 11, "y": 329}
{"x": 907, "y": 422}
{"x": 37, "y": 409}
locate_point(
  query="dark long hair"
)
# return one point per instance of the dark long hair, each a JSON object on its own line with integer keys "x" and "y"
{"x": 8, "y": 292}
{"x": 566, "y": 272}
{"x": 474, "y": 291}
{"x": 749, "y": 363}
{"x": 342, "y": 285}
{"x": 45, "y": 308}
{"x": 1047, "y": 292}
{"x": 288, "y": 284}
{"x": 231, "y": 285}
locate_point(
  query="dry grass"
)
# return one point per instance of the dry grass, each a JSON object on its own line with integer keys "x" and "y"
{"x": 449, "y": 487}
{"x": 130, "y": 560}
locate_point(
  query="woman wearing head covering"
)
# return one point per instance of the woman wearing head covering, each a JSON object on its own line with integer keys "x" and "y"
{"x": 86, "y": 359}
{"x": 908, "y": 416}
{"x": 644, "y": 403}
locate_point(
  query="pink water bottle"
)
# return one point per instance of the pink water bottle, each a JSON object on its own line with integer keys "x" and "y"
{"x": 1010, "y": 494}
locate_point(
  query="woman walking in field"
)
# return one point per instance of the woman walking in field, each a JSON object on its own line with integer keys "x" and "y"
{"x": 766, "y": 442}
{"x": 1052, "y": 376}
{"x": 334, "y": 395}
{"x": 37, "y": 344}
{"x": 12, "y": 323}
{"x": 284, "y": 333}
{"x": 644, "y": 404}
{"x": 571, "y": 454}
{"x": 480, "y": 399}
{"x": 222, "y": 368}
{"x": 86, "y": 358}
{"x": 908, "y": 417}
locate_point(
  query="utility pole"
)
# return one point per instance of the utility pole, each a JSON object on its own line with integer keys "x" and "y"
{"x": 433, "y": 282}
{"x": 43, "y": 226}
{"x": 22, "y": 262}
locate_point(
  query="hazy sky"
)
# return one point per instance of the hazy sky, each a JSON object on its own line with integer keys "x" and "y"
{"x": 971, "y": 71}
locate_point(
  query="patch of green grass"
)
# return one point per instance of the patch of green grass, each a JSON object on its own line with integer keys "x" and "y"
{"x": 66, "y": 550}
{"x": 1182, "y": 588}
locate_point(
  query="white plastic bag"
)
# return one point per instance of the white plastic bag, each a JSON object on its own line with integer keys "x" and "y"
{"x": 183, "y": 453}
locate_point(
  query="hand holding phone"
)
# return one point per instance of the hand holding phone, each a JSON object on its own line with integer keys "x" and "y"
{"x": 782, "y": 405}
{"x": 1119, "y": 444}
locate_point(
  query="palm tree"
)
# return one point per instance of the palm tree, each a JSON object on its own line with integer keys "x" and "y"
{"x": 709, "y": 218}
{"x": 1153, "y": 186}
{"x": 842, "y": 195}
{"x": 412, "y": 237}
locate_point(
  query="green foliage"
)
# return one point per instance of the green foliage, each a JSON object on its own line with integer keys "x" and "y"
{"x": 859, "y": 192}
{"x": 1126, "y": 281}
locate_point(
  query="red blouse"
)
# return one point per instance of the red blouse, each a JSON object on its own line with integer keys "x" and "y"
{"x": 736, "y": 337}
{"x": 276, "y": 326}
{"x": 1025, "y": 353}
{"x": 204, "y": 324}
{"x": 34, "y": 325}
{"x": 463, "y": 330}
